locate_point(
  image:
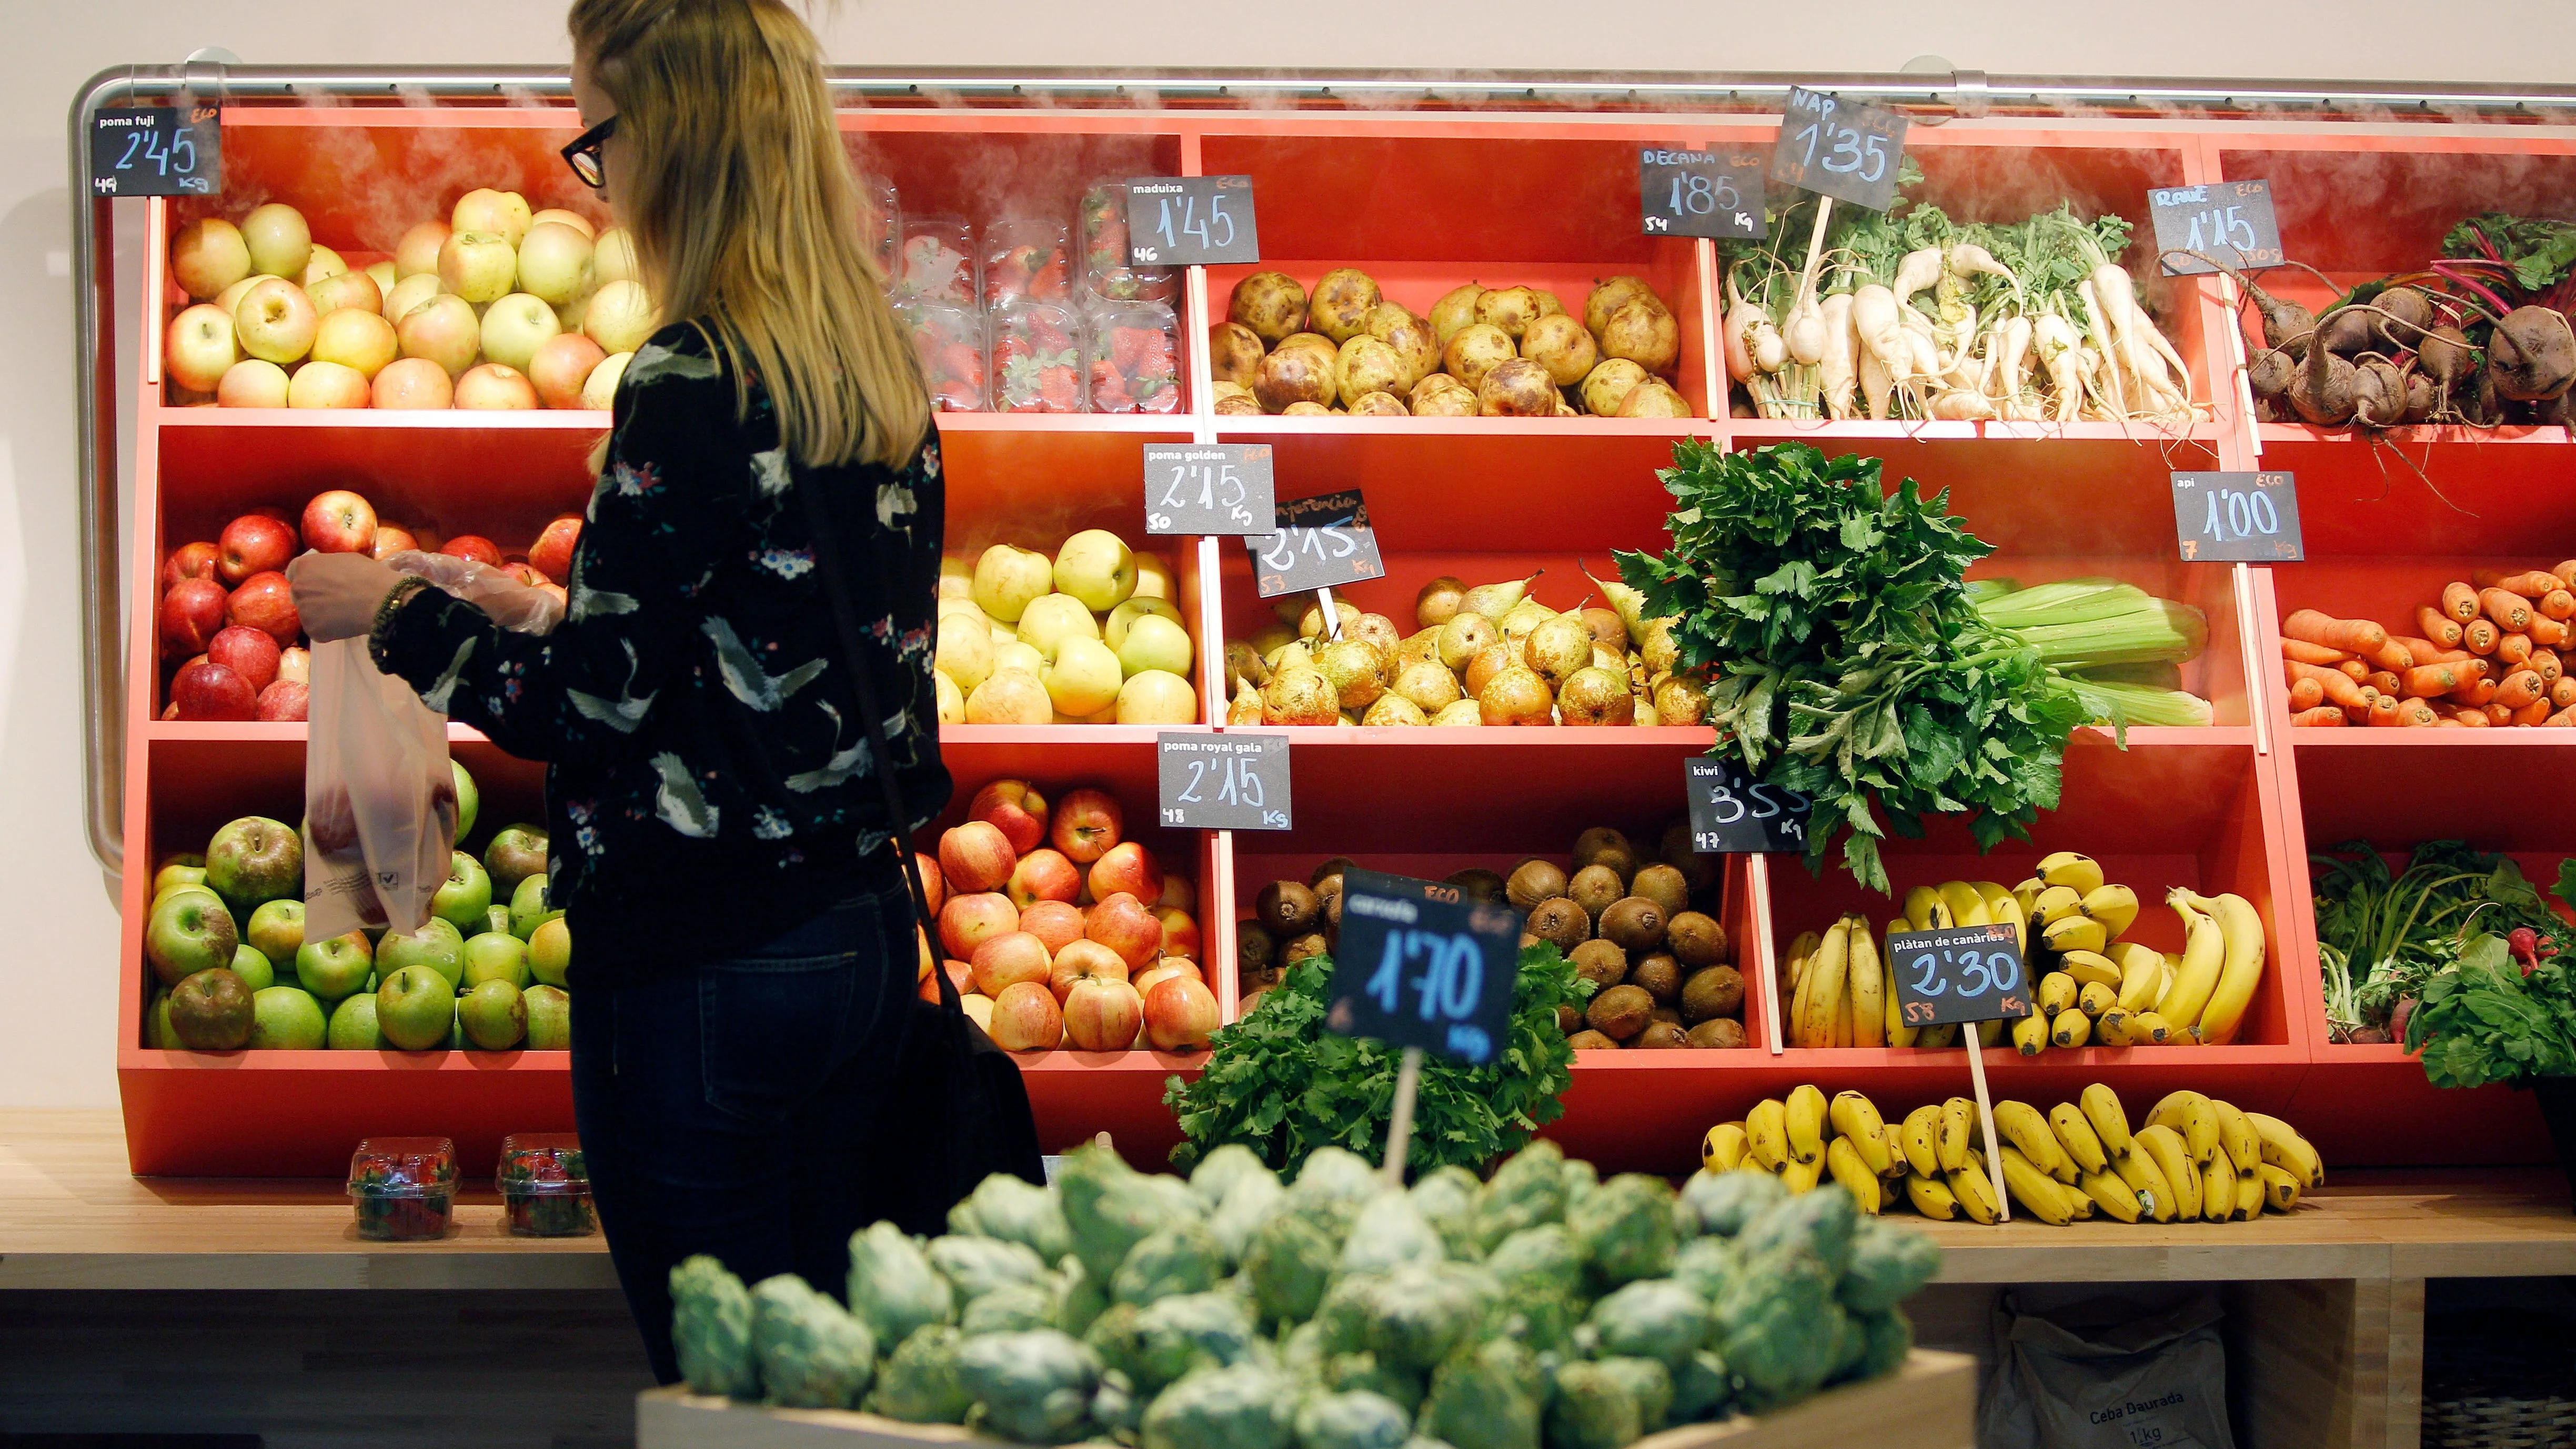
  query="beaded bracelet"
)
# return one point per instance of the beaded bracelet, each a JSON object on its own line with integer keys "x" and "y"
{"x": 395, "y": 598}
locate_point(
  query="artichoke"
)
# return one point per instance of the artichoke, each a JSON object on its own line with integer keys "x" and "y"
{"x": 1484, "y": 1398}
{"x": 1778, "y": 1325}
{"x": 1009, "y": 1308}
{"x": 1726, "y": 1201}
{"x": 1542, "y": 1259}
{"x": 1447, "y": 1198}
{"x": 893, "y": 1287}
{"x": 1592, "y": 1407}
{"x": 1035, "y": 1387}
{"x": 711, "y": 1329}
{"x": 1005, "y": 1207}
{"x": 977, "y": 1266}
{"x": 1624, "y": 1229}
{"x": 813, "y": 1354}
{"x": 1656, "y": 1318}
{"x": 1244, "y": 1407}
{"x": 1219, "y": 1172}
{"x": 1110, "y": 1207}
{"x": 1179, "y": 1258}
{"x": 1391, "y": 1233}
{"x": 919, "y": 1382}
{"x": 1289, "y": 1263}
{"x": 1819, "y": 1222}
{"x": 1352, "y": 1419}
{"x": 1887, "y": 1264}
{"x": 1253, "y": 1200}
{"x": 1526, "y": 1191}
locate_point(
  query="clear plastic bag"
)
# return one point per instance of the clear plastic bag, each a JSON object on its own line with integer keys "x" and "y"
{"x": 379, "y": 798}
{"x": 520, "y": 608}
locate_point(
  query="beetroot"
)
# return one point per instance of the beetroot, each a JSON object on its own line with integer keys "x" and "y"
{"x": 2378, "y": 393}
{"x": 2531, "y": 355}
{"x": 2407, "y": 315}
{"x": 2322, "y": 390}
{"x": 2269, "y": 372}
{"x": 2286, "y": 325}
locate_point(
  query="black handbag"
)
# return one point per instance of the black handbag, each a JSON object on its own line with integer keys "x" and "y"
{"x": 957, "y": 1111}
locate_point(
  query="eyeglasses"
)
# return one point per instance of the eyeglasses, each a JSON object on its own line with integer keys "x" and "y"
{"x": 583, "y": 154}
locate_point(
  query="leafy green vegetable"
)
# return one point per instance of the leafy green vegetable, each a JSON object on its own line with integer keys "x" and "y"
{"x": 2382, "y": 935}
{"x": 1279, "y": 1083}
{"x": 2485, "y": 1020}
{"x": 1855, "y": 667}
{"x": 2541, "y": 250}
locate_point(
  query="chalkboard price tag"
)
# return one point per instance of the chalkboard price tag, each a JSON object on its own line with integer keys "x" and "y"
{"x": 156, "y": 151}
{"x": 1847, "y": 150}
{"x": 1318, "y": 543}
{"x": 1209, "y": 488}
{"x": 1733, "y": 815}
{"x": 1701, "y": 193}
{"x": 1957, "y": 973}
{"x": 1420, "y": 965}
{"x": 2226, "y": 221}
{"x": 2238, "y": 517}
{"x": 1182, "y": 221}
{"x": 1223, "y": 782}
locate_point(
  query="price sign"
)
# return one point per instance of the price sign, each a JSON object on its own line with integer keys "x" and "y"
{"x": 1956, "y": 973}
{"x": 2226, "y": 221}
{"x": 1223, "y": 782}
{"x": 156, "y": 151}
{"x": 1698, "y": 193}
{"x": 1843, "y": 149}
{"x": 1180, "y": 221}
{"x": 2238, "y": 517}
{"x": 1209, "y": 488}
{"x": 1420, "y": 965}
{"x": 1320, "y": 543}
{"x": 1731, "y": 814}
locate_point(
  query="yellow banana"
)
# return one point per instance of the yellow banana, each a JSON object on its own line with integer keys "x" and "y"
{"x": 2142, "y": 973}
{"x": 2077, "y": 873}
{"x": 1723, "y": 1149}
{"x": 2054, "y": 904}
{"x": 2005, "y": 909}
{"x": 2076, "y": 1135}
{"x": 1990, "y": 1032}
{"x": 2280, "y": 1189}
{"x": 1975, "y": 1194}
{"x": 2241, "y": 927}
{"x": 2236, "y": 1137}
{"x": 2217, "y": 1189}
{"x": 2117, "y": 1027}
{"x": 1967, "y": 908}
{"x": 1958, "y": 1120}
{"x": 2025, "y": 1127}
{"x": 2249, "y": 1196}
{"x": 1921, "y": 1127}
{"x": 1868, "y": 985}
{"x": 1802, "y": 1177}
{"x": 2149, "y": 1028}
{"x": 2108, "y": 1119}
{"x": 2056, "y": 992}
{"x": 2095, "y": 999}
{"x": 2139, "y": 1171}
{"x": 1800, "y": 949}
{"x": 1856, "y": 1117}
{"x": 2027, "y": 893}
{"x": 1844, "y": 1161}
{"x": 1804, "y": 1118}
{"x": 2108, "y": 1192}
{"x": 1933, "y": 1037}
{"x": 1766, "y": 1134}
{"x": 2071, "y": 1028}
{"x": 1823, "y": 988}
{"x": 2073, "y": 933}
{"x": 2115, "y": 906}
{"x": 2088, "y": 968}
{"x": 2191, "y": 1117}
{"x": 2036, "y": 1190}
{"x": 2204, "y": 953}
{"x": 2285, "y": 1149}
{"x": 1900, "y": 1033}
{"x": 1892, "y": 1138}
{"x": 1990, "y": 892}
{"x": 2164, "y": 1147}
{"x": 1924, "y": 911}
{"x": 1931, "y": 1197}
{"x": 2030, "y": 1034}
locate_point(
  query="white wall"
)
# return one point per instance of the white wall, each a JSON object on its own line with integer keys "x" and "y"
{"x": 57, "y": 947}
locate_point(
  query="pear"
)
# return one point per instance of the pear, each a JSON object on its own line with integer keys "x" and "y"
{"x": 1428, "y": 684}
{"x": 1515, "y": 696}
{"x": 1299, "y": 697}
{"x": 1611, "y": 294}
{"x": 1455, "y": 312}
{"x": 1310, "y": 624}
{"x": 1242, "y": 664}
{"x": 1394, "y": 709}
{"x": 1558, "y": 649}
{"x": 1493, "y": 601}
{"x": 1290, "y": 659}
{"x": 1490, "y": 661}
{"x": 1680, "y": 701}
{"x": 1629, "y": 604}
{"x": 1464, "y": 712}
{"x": 1246, "y": 708}
{"x": 1356, "y": 671}
{"x": 1423, "y": 644}
{"x": 1269, "y": 639}
{"x": 1596, "y": 697}
{"x": 1379, "y": 630}
{"x": 1645, "y": 712}
{"x": 1439, "y": 601}
{"x": 1662, "y": 655}
{"x": 1608, "y": 629}
{"x": 1462, "y": 638}
{"x": 1526, "y": 615}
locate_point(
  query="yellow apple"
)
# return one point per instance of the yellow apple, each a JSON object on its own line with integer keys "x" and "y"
{"x": 416, "y": 255}
{"x": 502, "y": 213}
{"x": 384, "y": 275}
{"x": 1007, "y": 578}
{"x": 1115, "y": 630}
{"x": 230, "y": 297}
{"x": 952, "y": 703}
{"x": 478, "y": 266}
{"x": 1154, "y": 578}
{"x": 328, "y": 385}
{"x": 1009, "y": 697}
{"x": 278, "y": 240}
{"x": 1155, "y": 643}
{"x": 1051, "y": 619}
{"x": 252, "y": 383}
{"x": 613, "y": 260}
{"x": 965, "y": 652}
{"x": 956, "y": 577}
{"x": 207, "y": 256}
{"x": 443, "y": 329}
{"x": 1084, "y": 677}
{"x": 276, "y": 321}
{"x": 554, "y": 262}
{"x": 1010, "y": 653}
{"x": 357, "y": 339}
{"x": 1096, "y": 567}
{"x": 515, "y": 326}
{"x": 560, "y": 217}
{"x": 200, "y": 347}
{"x": 408, "y": 293}
{"x": 322, "y": 262}
{"x": 1157, "y": 697}
{"x": 619, "y": 317}
{"x": 600, "y": 389}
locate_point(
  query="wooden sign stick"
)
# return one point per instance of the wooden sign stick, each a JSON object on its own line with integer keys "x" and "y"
{"x": 1986, "y": 1118}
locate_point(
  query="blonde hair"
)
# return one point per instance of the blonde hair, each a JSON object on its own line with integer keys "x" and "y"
{"x": 739, "y": 194}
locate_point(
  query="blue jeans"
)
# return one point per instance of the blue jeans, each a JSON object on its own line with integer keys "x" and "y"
{"x": 728, "y": 1110}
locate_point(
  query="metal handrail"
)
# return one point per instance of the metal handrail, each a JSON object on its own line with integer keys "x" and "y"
{"x": 1961, "y": 93}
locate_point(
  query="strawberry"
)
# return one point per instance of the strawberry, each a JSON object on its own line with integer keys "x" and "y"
{"x": 1048, "y": 337}
{"x": 1109, "y": 390}
{"x": 1058, "y": 391}
{"x": 959, "y": 361}
{"x": 1008, "y": 349}
{"x": 1141, "y": 351}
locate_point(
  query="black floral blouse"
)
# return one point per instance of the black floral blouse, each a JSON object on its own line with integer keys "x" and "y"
{"x": 709, "y": 784}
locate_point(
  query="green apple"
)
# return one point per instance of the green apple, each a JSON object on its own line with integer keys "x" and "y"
{"x": 254, "y": 969}
{"x": 335, "y": 969}
{"x": 495, "y": 956}
{"x": 188, "y": 933}
{"x": 1052, "y": 619}
{"x": 436, "y": 945}
{"x": 497, "y": 919}
{"x": 288, "y": 1019}
{"x": 178, "y": 870}
{"x": 528, "y": 907}
{"x": 550, "y": 951}
{"x": 549, "y": 1018}
{"x": 1114, "y": 632}
{"x": 494, "y": 1016}
{"x": 515, "y": 853}
{"x": 353, "y": 1025}
{"x": 469, "y": 800}
{"x": 212, "y": 1011}
{"x": 416, "y": 1009}
{"x": 277, "y": 929}
{"x": 1007, "y": 578}
{"x": 156, "y": 1023}
{"x": 465, "y": 895}
{"x": 1096, "y": 567}
{"x": 255, "y": 859}
{"x": 1154, "y": 642}
{"x": 1084, "y": 678}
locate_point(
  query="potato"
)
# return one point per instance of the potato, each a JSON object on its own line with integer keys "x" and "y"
{"x": 1239, "y": 405}
{"x": 1293, "y": 375}
{"x": 1367, "y": 365}
{"x": 1234, "y": 352}
{"x": 1518, "y": 388}
{"x": 1559, "y": 344}
{"x": 1454, "y": 312}
{"x": 1654, "y": 398}
{"x": 1644, "y": 333}
{"x": 1270, "y": 303}
{"x": 1342, "y": 302}
{"x": 1608, "y": 383}
{"x": 1379, "y": 405}
{"x": 1475, "y": 351}
{"x": 1610, "y": 295}
{"x": 1510, "y": 308}
{"x": 1410, "y": 336}
{"x": 1443, "y": 396}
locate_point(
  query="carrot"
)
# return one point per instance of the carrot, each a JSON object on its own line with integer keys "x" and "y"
{"x": 2306, "y": 694}
{"x": 2535, "y": 713}
{"x": 2460, "y": 602}
{"x": 2428, "y": 652}
{"x": 2529, "y": 584}
{"x": 2307, "y": 653}
{"x": 2383, "y": 712}
{"x": 2356, "y": 636}
{"x": 2386, "y": 682}
{"x": 2480, "y": 636}
{"x": 2440, "y": 627}
{"x": 2563, "y": 692}
{"x": 2547, "y": 631}
{"x": 2566, "y": 571}
{"x": 2512, "y": 612}
{"x": 2558, "y": 603}
{"x": 2499, "y": 715}
{"x": 2563, "y": 719}
{"x": 2322, "y": 717}
{"x": 2463, "y": 715}
{"x": 2339, "y": 687}
{"x": 2394, "y": 656}
{"x": 2548, "y": 663}
{"x": 2520, "y": 688}
{"x": 2415, "y": 714}
{"x": 2446, "y": 722}
{"x": 2426, "y": 680}
{"x": 2513, "y": 649}
{"x": 2478, "y": 695}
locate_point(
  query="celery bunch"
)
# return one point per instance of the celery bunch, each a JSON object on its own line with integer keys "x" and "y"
{"x": 2115, "y": 642}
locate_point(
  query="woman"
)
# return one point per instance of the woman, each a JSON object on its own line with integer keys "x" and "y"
{"x": 744, "y": 956}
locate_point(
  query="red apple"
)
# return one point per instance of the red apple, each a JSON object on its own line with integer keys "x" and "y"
{"x": 1009, "y": 959}
{"x": 412, "y": 383}
{"x": 1043, "y": 875}
{"x": 339, "y": 522}
{"x": 551, "y": 554}
{"x": 933, "y": 884}
{"x": 1126, "y": 927}
{"x": 1180, "y": 933}
{"x": 959, "y": 975}
{"x": 1180, "y": 1015}
{"x": 1102, "y": 1015}
{"x": 266, "y": 601}
{"x": 1178, "y": 893}
{"x": 966, "y": 922}
{"x": 473, "y": 546}
{"x": 1087, "y": 823}
{"x": 208, "y": 691}
{"x": 190, "y": 561}
{"x": 1130, "y": 868}
{"x": 252, "y": 544}
{"x": 1164, "y": 970}
{"x": 391, "y": 539}
{"x": 526, "y": 574}
{"x": 1058, "y": 923}
{"x": 1027, "y": 1019}
{"x": 1084, "y": 961}
{"x": 976, "y": 856}
{"x": 192, "y": 613}
{"x": 495, "y": 388}
{"x": 249, "y": 653}
{"x": 561, "y": 364}
{"x": 1018, "y": 811}
{"x": 295, "y": 666}
{"x": 284, "y": 701}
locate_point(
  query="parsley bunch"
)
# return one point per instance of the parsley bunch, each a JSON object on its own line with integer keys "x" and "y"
{"x": 1852, "y": 662}
{"x": 1282, "y": 1085}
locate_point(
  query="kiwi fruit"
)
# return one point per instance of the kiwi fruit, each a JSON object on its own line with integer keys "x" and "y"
{"x": 1328, "y": 901}
{"x": 1533, "y": 880}
{"x": 1286, "y": 908}
{"x": 1255, "y": 949}
{"x": 1661, "y": 975}
{"x": 1712, "y": 992}
{"x": 1305, "y": 947}
{"x": 1591, "y": 1041}
{"x": 1665, "y": 1013}
{"x": 1595, "y": 888}
{"x": 1602, "y": 845}
{"x": 1634, "y": 922}
{"x": 1600, "y": 962}
{"x": 1620, "y": 1012}
{"x": 1263, "y": 979}
{"x": 1479, "y": 883}
{"x": 1725, "y": 1032}
{"x": 1528, "y": 940}
{"x": 1663, "y": 1034}
{"x": 1664, "y": 886}
{"x": 1675, "y": 851}
{"x": 1561, "y": 921}
{"x": 1697, "y": 939}
{"x": 1330, "y": 869}
{"x": 1569, "y": 1018}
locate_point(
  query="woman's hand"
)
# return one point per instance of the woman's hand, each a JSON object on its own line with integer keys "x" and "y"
{"x": 338, "y": 593}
